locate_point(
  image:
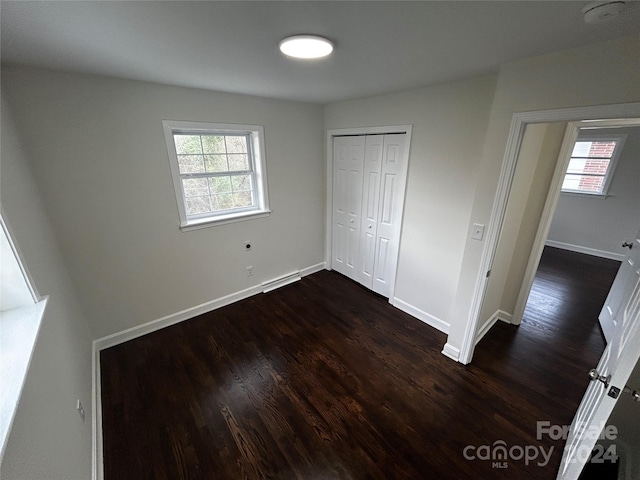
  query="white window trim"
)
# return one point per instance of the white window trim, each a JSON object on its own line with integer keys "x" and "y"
{"x": 256, "y": 133}
{"x": 613, "y": 163}
{"x": 20, "y": 327}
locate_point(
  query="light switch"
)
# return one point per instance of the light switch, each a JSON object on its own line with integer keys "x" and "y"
{"x": 477, "y": 232}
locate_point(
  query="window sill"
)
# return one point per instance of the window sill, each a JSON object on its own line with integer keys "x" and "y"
{"x": 18, "y": 335}
{"x": 224, "y": 219}
{"x": 585, "y": 195}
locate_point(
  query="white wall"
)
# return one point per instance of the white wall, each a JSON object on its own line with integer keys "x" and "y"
{"x": 48, "y": 440}
{"x": 603, "y": 73}
{"x": 99, "y": 157}
{"x": 449, "y": 123}
{"x": 604, "y": 224}
{"x": 535, "y": 166}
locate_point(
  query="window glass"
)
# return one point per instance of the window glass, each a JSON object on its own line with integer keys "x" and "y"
{"x": 218, "y": 172}
{"x": 590, "y": 166}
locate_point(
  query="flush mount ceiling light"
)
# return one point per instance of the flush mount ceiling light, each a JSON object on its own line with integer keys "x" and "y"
{"x": 306, "y": 46}
{"x": 599, "y": 12}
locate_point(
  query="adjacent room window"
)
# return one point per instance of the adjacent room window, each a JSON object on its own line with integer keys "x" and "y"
{"x": 592, "y": 163}
{"x": 218, "y": 172}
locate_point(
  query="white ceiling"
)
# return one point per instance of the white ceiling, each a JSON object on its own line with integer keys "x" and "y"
{"x": 381, "y": 46}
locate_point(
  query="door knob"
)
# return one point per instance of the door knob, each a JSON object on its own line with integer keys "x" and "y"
{"x": 370, "y": 226}
{"x": 628, "y": 245}
{"x": 594, "y": 375}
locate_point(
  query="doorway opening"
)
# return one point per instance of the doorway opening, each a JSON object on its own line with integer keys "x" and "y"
{"x": 562, "y": 211}
{"x": 622, "y": 114}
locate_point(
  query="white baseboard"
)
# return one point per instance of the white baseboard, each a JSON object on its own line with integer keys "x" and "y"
{"x": 589, "y": 251}
{"x": 149, "y": 327}
{"x": 172, "y": 319}
{"x": 451, "y": 352}
{"x": 486, "y": 326}
{"x": 421, "y": 315}
{"x": 313, "y": 269}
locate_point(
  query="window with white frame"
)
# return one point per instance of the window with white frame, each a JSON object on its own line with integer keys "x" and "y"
{"x": 21, "y": 312}
{"x": 592, "y": 163}
{"x": 218, "y": 172}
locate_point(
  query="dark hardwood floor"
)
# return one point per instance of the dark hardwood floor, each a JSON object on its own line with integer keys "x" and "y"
{"x": 322, "y": 379}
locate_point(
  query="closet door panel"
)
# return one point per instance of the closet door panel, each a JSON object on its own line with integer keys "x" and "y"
{"x": 369, "y": 175}
{"x": 370, "y": 207}
{"x": 390, "y": 213}
{"x": 348, "y": 154}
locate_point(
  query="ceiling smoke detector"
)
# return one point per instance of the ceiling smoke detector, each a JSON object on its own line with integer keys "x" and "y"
{"x": 602, "y": 11}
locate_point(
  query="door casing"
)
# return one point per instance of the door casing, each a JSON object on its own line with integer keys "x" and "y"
{"x": 519, "y": 122}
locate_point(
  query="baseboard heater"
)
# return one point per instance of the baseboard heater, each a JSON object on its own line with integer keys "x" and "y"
{"x": 280, "y": 281}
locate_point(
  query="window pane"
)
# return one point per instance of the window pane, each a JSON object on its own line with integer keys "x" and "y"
{"x": 236, "y": 144}
{"x": 215, "y": 168}
{"x": 581, "y": 149}
{"x": 242, "y": 199}
{"x": 216, "y": 163}
{"x": 241, "y": 183}
{"x": 602, "y": 149}
{"x": 238, "y": 162}
{"x": 220, "y": 184}
{"x": 594, "y": 149}
{"x": 576, "y": 165}
{"x": 194, "y": 187}
{"x": 225, "y": 201}
{"x": 186, "y": 144}
{"x": 596, "y": 166}
{"x": 190, "y": 164}
{"x": 583, "y": 183}
{"x": 213, "y": 143}
{"x": 198, "y": 205}
{"x": 571, "y": 182}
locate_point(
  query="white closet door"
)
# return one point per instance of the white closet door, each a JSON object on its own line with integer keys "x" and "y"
{"x": 348, "y": 157}
{"x": 392, "y": 186}
{"x": 369, "y": 177}
{"x": 370, "y": 207}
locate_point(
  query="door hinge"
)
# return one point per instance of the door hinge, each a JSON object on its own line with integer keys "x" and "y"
{"x": 488, "y": 273}
{"x": 614, "y": 392}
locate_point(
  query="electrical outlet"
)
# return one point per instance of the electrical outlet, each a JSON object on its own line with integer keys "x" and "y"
{"x": 247, "y": 246}
{"x": 80, "y": 409}
{"x": 249, "y": 271}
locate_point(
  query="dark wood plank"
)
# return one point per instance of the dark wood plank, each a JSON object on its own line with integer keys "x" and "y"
{"x": 323, "y": 379}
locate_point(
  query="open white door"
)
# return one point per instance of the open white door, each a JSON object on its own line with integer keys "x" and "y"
{"x": 617, "y": 294}
{"x": 612, "y": 373}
